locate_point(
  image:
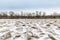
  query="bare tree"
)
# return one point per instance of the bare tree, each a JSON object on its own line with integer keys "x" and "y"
{"x": 44, "y": 14}
{"x": 39, "y": 13}
{"x": 11, "y": 13}
{"x": 21, "y": 13}
{"x": 54, "y": 14}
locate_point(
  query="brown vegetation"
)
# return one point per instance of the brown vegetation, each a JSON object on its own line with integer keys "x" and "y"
{"x": 4, "y": 15}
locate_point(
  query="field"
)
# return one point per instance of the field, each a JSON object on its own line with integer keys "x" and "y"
{"x": 29, "y": 29}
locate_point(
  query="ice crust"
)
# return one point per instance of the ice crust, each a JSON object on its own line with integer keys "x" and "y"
{"x": 29, "y": 29}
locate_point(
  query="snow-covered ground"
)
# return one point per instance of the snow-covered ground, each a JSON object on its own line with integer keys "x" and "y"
{"x": 29, "y": 29}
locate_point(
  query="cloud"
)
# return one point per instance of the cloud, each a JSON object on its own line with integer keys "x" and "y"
{"x": 15, "y": 4}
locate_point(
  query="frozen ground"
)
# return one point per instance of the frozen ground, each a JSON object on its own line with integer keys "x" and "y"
{"x": 29, "y": 29}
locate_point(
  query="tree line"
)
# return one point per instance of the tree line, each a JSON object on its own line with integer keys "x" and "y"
{"x": 22, "y": 14}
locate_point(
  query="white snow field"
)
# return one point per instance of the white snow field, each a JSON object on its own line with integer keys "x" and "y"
{"x": 29, "y": 29}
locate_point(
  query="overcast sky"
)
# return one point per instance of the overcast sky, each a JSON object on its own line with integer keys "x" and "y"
{"x": 29, "y": 4}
